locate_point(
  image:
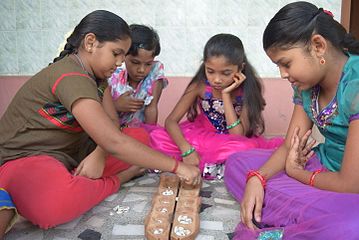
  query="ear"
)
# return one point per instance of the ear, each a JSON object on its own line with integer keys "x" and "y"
{"x": 319, "y": 45}
{"x": 241, "y": 67}
{"x": 89, "y": 42}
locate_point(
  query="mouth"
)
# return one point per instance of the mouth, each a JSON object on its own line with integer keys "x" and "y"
{"x": 140, "y": 77}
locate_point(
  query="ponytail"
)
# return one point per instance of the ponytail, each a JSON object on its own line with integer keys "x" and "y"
{"x": 106, "y": 26}
{"x": 350, "y": 44}
{"x": 68, "y": 49}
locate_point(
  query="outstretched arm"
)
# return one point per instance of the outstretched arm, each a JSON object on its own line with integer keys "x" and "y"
{"x": 92, "y": 166}
{"x": 254, "y": 193}
{"x": 173, "y": 119}
{"x": 90, "y": 114}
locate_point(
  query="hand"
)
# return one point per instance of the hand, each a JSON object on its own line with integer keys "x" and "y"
{"x": 252, "y": 202}
{"x": 189, "y": 173}
{"x": 192, "y": 159}
{"x": 300, "y": 151}
{"x": 92, "y": 166}
{"x": 238, "y": 79}
{"x": 127, "y": 103}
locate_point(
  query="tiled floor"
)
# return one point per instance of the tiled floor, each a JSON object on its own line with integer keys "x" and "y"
{"x": 219, "y": 215}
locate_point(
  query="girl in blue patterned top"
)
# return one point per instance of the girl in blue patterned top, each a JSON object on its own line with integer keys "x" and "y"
{"x": 300, "y": 192}
{"x": 229, "y": 97}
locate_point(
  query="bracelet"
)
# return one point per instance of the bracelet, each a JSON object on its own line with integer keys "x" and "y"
{"x": 311, "y": 180}
{"x": 258, "y": 175}
{"x": 188, "y": 152}
{"x": 236, "y": 123}
{"x": 174, "y": 170}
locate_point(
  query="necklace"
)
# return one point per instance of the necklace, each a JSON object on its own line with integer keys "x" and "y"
{"x": 83, "y": 66}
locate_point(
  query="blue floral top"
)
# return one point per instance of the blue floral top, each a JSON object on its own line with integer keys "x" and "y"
{"x": 214, "y": 110}
{"x": 334, "y": 119}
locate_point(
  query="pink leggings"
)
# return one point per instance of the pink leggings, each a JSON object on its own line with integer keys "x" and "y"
{"x": 47, "y": 194}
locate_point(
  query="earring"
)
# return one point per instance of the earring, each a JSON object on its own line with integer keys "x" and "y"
{"x": 322, "y": 61}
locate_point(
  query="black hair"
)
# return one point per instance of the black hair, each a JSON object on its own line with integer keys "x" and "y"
{"x": 106, "y": 25}
{"x": 231, "y": 47}
{"x": 296, "y": 22}
{"x": 144, "y": 37}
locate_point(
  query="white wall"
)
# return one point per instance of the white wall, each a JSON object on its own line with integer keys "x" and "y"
{"x": 32, "y": 30}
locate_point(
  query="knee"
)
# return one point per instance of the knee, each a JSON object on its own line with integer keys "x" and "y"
{"x": 50, "y": 211}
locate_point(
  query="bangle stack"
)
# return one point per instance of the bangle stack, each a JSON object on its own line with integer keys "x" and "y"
{"x": 258, "y": 175}
{"x": 314, "y": 174}
{"x": 236, "y": 123}
{"x": 188, "y": 152}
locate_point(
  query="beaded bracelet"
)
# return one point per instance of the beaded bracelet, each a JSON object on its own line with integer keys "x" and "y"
{"x": 188, "y": 152}
{"x": 314, "y": 174}
{"x": 236, "y": 123}
{"x": 174, "y": 170}
{"x": 258, "y": 175}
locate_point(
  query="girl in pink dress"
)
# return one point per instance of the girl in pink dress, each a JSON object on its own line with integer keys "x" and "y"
{"x": 229, "y": 99}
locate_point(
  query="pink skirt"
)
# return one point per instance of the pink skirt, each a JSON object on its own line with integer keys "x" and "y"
{"x": 213, "y": 148}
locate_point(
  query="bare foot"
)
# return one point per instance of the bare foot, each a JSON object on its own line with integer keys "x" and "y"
{"x": 130, "y": 173}
{"x": 5, "y": 218}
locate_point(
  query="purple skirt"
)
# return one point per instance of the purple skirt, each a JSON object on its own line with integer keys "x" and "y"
{"x": 299, "y": 210}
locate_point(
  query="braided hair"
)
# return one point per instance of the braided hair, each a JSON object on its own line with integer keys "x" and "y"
{"x": 106, "y": 25}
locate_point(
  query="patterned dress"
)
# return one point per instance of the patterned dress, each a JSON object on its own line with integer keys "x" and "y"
{"x": 119, "y": 85}
{"x": 209, "y": 136}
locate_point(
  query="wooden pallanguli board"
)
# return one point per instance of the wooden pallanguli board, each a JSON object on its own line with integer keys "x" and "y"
{"x": 175, "y": 210}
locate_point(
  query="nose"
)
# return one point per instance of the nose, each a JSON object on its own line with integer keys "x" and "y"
{"x": 120, "y": 60}
{"x": 141, "y": 68}
{"x": 283, "y": 74}
{"x": 217, "y": 78}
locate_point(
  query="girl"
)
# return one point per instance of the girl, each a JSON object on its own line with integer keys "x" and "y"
{"x": 136, "y": 89}
{"x": 229, "y": 97}
{"x": 308, "y": 194}
{"x": 8, "y": 213}
{"x": 43, "y": 125}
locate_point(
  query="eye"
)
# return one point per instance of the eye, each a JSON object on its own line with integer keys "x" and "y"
{"x": 286, "y": 65}
{"x": 134, "y": 62}
{"x": 227, "y": 73}
{"x": 209, "y": 71}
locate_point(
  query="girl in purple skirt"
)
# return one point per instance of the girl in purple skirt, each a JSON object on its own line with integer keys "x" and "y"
{"x": 297, "y": 191}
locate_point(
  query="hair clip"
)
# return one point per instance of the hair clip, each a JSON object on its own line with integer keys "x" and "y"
{"x": 328, "y": 12}
{"x": 141, "y": 45}
{"x": 324, "y": 11}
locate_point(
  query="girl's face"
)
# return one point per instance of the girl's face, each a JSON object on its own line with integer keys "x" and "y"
{"x": 107, "y": 56}
{"x": 297, "y": 65}
{"x": 219, "y": 72}
{"x": 139, "y": 66}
